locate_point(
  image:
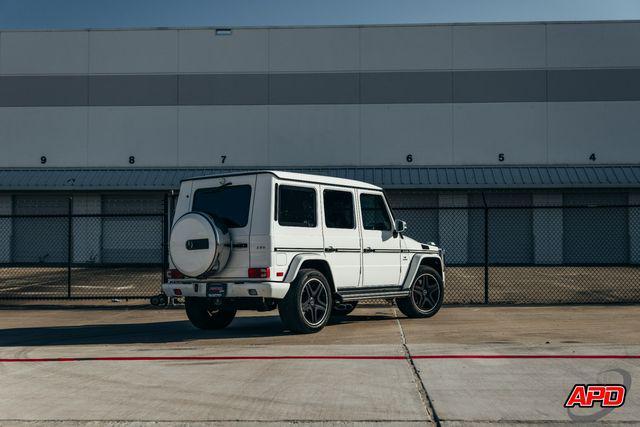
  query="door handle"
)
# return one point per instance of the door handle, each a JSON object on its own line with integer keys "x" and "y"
{"x": 367, "y": 250}
{"x": 330, "y": 249}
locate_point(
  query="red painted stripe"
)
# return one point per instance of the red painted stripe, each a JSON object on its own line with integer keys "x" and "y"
{"x": 527, "y": 356}
{"x": 312, "y": 357}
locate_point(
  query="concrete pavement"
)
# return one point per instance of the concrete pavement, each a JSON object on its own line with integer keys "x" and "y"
{"x": 384, "y": 388}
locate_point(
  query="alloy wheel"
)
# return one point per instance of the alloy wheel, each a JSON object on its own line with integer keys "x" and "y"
{"x": 314, "y": 302}
{"x": 425, "y": 292}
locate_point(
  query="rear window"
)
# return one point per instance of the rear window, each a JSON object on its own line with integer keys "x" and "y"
{"x": 229, "y": 204}
{"x": 296, "y": 206}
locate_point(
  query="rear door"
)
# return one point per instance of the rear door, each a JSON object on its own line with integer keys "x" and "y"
{"x": 342, "y": 243}
{"x": 296, "y": 226}
{"x": 231, "y": 199}
{"x": 380, "y": 245}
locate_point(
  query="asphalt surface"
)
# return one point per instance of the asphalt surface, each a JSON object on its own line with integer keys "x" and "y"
{"x": 467, "y": 365}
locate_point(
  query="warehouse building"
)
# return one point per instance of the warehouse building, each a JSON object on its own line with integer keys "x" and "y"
{"x": 465, "y": 116}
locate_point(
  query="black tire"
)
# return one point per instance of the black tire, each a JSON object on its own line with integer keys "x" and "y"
{"x": 427, "y": 294}
{"x": 307, "y": 306}
{"x": 204, "y": 315}
{"x": 343, "y": 308}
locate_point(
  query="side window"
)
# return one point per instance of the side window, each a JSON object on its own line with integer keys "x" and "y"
{"x": 374, "y": 212}
{"x": 296, "y": 206}
{"x": 338, "y": 209}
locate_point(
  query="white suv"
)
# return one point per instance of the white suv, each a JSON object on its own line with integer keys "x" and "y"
{"x": 311, "y": 246}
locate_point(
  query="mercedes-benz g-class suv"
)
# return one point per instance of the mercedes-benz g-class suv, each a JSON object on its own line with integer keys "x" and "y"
{"x": 310, "y": 246}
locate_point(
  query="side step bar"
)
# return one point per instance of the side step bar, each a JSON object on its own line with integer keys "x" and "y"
{"x": 382, "y": 292}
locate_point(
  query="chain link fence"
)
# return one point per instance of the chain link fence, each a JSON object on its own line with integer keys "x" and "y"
{"x": 534, "y": 255}
{"x": 494, "y": 255}
{"x": 81, "y": 256}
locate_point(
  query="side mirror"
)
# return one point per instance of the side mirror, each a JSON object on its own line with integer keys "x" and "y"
{"x": 401, "y": 226}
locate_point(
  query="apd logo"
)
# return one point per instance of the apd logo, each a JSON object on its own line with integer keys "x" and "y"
{"x": 606, "y": 396}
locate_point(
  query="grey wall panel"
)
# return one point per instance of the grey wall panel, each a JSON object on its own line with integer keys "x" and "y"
{"x": 148, "y": 133}
{"x": 87, "y": 231}
{"x": 59, "y": 133}
{"x": 326, "y": 88}
{"x": 547, "y": 228}
{"x": 314, "y": 134}
{"x": 594, "y": 44}
{"x": 597, "y": 236}
{"x": 499, "y": 86}
{"x": 28, "y": 243}
{"x": 239, "y": 133}
{"x": 405, "y": 48}
{"x": 412, "y": 87}
{"x": 482, "y": 131}
{"x": 403, "y": 199}
{"x": 510, "y": 230}
{"x": 133, "y": 90}
{"x": 43, "y": 91}
{"x": 390, "y": 133}
{"x": 202, "y": 51}
{"x": 313, "y": 49}
{"x": 634, "y": 228}
{"x": 44, "y": 52}
{"x": 137, "y": 203}
{"x": 454, "y": 226}
{"x": 136, "y": 51}
{"x": 223, "y": 89}
{"x": 6, "y": 227}
{"x": 608, "y": 129}
{"x": 498, "y": 46}
{"x": 321, "y": 88}
{"x": 476, "y": 228}
{"x": 511, "y": 236}
{"x": 422, "y": 223}
{"x": 594, "y": 85}
{"x": 132, "y": 239}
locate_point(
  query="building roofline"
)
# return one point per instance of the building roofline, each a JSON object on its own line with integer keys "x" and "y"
{"x": 387, "y": 177}
{"x": 269, "y": 27}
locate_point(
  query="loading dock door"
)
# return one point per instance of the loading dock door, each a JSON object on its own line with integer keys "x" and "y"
{"x": 595, "y": 235}
{"x": 132, "y": 239}
{"x": 40, "y": 240}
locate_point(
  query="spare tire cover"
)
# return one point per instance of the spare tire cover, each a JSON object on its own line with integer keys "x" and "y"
{"x": 199, "y": 244}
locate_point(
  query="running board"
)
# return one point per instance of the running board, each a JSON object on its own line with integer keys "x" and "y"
{"x": 378, "y": 292}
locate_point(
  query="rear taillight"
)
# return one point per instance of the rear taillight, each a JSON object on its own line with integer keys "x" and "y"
{"x": 174, "y": 274}
{"x": 259, "y": 273}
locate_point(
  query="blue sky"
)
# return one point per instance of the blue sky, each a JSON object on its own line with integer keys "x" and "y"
{"x": 178, "y": 13}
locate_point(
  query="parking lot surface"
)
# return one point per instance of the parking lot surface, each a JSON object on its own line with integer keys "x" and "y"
{"x": 482, "y": 365}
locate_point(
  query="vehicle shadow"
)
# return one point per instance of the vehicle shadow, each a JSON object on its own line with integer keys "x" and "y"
{"x": 155, "y": 332}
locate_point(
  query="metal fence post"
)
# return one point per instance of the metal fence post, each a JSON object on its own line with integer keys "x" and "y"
{"x": 486, "y": 250}
{"x": 165, "y": 238}
{"x": 69, "y": 242}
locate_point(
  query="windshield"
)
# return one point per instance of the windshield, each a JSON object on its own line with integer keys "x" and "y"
{"x": 230, "y": 204}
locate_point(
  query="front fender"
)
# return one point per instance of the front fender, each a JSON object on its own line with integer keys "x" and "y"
{"x": 415, "y": 263}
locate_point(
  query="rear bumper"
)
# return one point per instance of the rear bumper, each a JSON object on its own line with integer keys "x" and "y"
{"x": 275, "y": 290}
